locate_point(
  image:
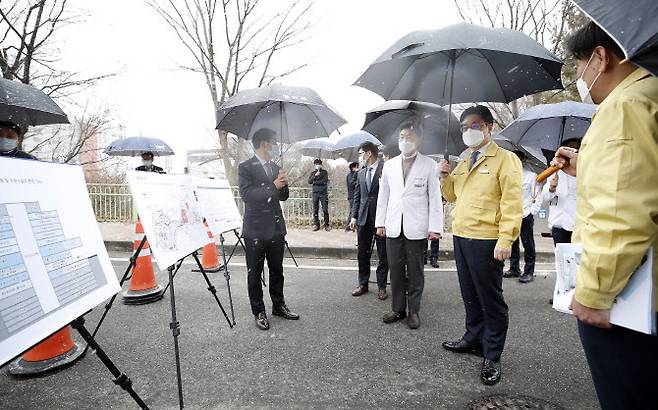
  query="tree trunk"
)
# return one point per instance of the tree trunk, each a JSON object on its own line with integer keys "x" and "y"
{"x": 229, "y": 168}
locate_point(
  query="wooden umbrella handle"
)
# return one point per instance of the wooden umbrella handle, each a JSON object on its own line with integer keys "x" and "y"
{"x": 546, "y": 173}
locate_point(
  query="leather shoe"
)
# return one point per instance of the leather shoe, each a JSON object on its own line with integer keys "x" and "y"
{"x": 527, "y": 277}
{"x": 360, "y": 291}
{"x": 382, "y": 294}
{"x": 413, "y": 320}
{"x": 316, "y": 228}
{"x": 460, "y": 346}
{"x": 512, "y": 273}
{"x": 261, "y": 321}
{"x": 392, "y": 317}
{"x": 284, "y": 312}
{"x": 491, "y": 372}
{"x": 434, "y": 263}
{"x": 327, "y": 228}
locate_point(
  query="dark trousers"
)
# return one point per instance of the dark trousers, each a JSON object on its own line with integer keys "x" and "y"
{"x": 257, "y": 251}
{"x": 528, "y": 239}
{"x": 561, "y": 235}
{"x": 405, "y": 261}
{"x": 317, "y": 198}
{"x": 434, "y": 250}
{"x": 481, "y": 285}
{"x": 365, "y": 235}
{"x": 349, "y": 214}
{"x": 623, "y": 364}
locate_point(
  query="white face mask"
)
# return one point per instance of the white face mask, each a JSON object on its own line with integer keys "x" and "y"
{"x": 7, "y": 144}
{"x": 582, "y": 87}
{"x": 362, "y": 161}
{"x": 147, "y": 163}
{"x": 472, "y": 138}
{"x": 274, "y": 150}
{"x": 406, "y": 147}
{"x": 318, "y": 167}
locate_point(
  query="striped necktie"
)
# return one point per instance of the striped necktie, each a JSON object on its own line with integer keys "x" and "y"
{"x": 474, "y": 158}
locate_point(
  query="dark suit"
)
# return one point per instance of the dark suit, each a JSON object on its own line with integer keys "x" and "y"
{"x": 154, "y": 168}
{"x": 364, "y": 208}
{"x": 264, "y": 230}
{"x": 351, "y": 181}
{"x": 320, "y": 194}
{"x": 16, "y": 153}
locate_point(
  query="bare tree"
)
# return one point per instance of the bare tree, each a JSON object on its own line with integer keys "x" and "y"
{"x": 234, "y": 43}
{"x": 543, "y": 20}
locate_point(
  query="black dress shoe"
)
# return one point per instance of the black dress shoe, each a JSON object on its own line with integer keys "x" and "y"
{"x": 512, "y": 273}
{"x": 261, "y": 321}
{"x": 527, "y": 277}
{"x": 460, "y": 346}
{"x": 316, "y": 228}
{"x": 284, "y": 312}
{"x": 392, "y": 317}
{"x": 413, "y": 321}
{"x": 434, "y": 263}
{"x": 491, "y": 372}
{"x": 361, "y": 290}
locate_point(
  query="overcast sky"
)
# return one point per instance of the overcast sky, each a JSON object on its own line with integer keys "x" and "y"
{"x": 151, "y": 96}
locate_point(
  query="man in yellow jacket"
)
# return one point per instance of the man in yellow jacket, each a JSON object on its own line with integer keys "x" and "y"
{"x": 616, "y": 214}
{"x": 486, "y": 187}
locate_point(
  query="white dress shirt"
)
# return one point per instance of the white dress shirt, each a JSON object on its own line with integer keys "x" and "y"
{"x": 531, "y": 198}
{"x": 373, "y": 169}
{"x": 562, "y": 202}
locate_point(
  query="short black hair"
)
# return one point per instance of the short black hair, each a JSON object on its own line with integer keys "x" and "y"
{"x": 317, "y": 161}
{"x": 413, "y": 125}
{"x": 582, "y": 43}
{"x": 12, "y": 126}
{"x": 391, "y": 151}
{"x": 148, "y": 153}
{"x": 354, "y": 165}
{"x": 479, "y": 110}
{"x": 262, "y": 135}
{"x": 369, "y": 147}
{"x": 574, "y": 142}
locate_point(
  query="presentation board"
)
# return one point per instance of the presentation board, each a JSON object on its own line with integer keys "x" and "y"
{"x": 217, "y": 204}
{"x": 169, "y": 213}
{"x": 53, "y": 263}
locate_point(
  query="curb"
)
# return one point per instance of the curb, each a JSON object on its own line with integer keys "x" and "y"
{"x": 317, "y": 253}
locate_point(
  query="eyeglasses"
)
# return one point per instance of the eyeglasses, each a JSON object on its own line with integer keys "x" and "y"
{"x": 474, "y": 126}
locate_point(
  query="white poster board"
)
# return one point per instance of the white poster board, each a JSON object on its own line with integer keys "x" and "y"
{"x": 53, "y": 263}
{"x": 169, "y": 213}
{"x": 217, "y": 204}
{"x": 634, "y": 306}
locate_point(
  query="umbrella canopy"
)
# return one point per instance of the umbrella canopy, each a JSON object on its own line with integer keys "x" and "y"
{"x": 545, "y": 126}
{"x": 534, "y": 158}
{"x": 348, "y": 145}
{"x": 384, "y": 121}
{"x": 25, "y": 105}
{"x": 485, "y": 64}
{"x": 295, "y": 113}
{"x": 632, "y": 24}
{"x": 136, "y": 146}
{"x": 321, "y": 148}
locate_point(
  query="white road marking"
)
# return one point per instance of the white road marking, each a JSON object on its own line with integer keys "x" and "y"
{"x": 337, "y": 268}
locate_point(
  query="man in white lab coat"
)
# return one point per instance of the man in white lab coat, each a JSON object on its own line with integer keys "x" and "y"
{"x": 409, "y": 211}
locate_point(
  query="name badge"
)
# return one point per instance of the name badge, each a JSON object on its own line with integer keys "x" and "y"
{"x": 419, "y": 182}
{"x": 483, "y": 171}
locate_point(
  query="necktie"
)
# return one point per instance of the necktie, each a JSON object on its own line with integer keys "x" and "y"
{"x": 268, "y": 169}
{"x": 474, "y": 158}
{"x": 368, "y": 178}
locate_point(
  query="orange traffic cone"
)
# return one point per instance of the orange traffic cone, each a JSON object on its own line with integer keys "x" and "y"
{"x": 143, "y": 286}
{"x": 54, "y": 353}
{"x": 210, "y": 258}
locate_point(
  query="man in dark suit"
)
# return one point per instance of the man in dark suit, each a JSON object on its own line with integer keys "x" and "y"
{"x": 363, "y": 216}
{"x": 11, "y": 135}
{"x": 319, "y": 178}
{"x": 350, "y": 181}
{"x": 147, "y": 164}
{"x": 262, "y": 185}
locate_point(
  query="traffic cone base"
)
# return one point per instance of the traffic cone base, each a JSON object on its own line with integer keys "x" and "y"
{"x": 40, "y": 358}
{"x": 209, "y": 257}
{"x": 142, "y": 297}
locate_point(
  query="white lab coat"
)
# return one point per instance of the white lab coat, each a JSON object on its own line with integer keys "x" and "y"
{"x": 417, "y": 203}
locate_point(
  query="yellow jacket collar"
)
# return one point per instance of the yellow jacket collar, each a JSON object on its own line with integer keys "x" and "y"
{"x": 637, "y": 75}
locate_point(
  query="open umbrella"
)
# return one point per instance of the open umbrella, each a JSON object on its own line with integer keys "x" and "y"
{"x": 25, "y": 105}
{"x": 632, "y": 24}
{"x": 136, "y": 146}
{"x": 348, "y": 145}
{"x": 384, "y": 121}
{"x": 321, "y": 148}
{"x": 295, "y": 113}
{"x": 534, "y": 158}
{"x": 545, "y": 126}
{"x": 463, "y": 63}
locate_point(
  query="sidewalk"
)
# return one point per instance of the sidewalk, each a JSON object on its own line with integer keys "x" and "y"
{"x": 304, "y": 243}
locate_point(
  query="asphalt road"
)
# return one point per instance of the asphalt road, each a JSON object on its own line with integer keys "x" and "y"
{"x": 339, "y": 355}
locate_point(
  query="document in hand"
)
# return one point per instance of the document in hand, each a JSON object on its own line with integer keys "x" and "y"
{"x": 634, "y": 306}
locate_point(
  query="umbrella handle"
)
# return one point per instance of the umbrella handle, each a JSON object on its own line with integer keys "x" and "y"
{"x": 546, "y": 173}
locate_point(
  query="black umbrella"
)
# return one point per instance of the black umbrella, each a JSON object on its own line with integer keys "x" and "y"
{"x": 546, "y": 126}
{"x": 25, "y": 105}
{"x": 384, "y": 121}
{"x": 632, "y": 24}
{"x": 534, "y": 158}
{"x": 463, "y": 63}
{"x": 296, "y": 113}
